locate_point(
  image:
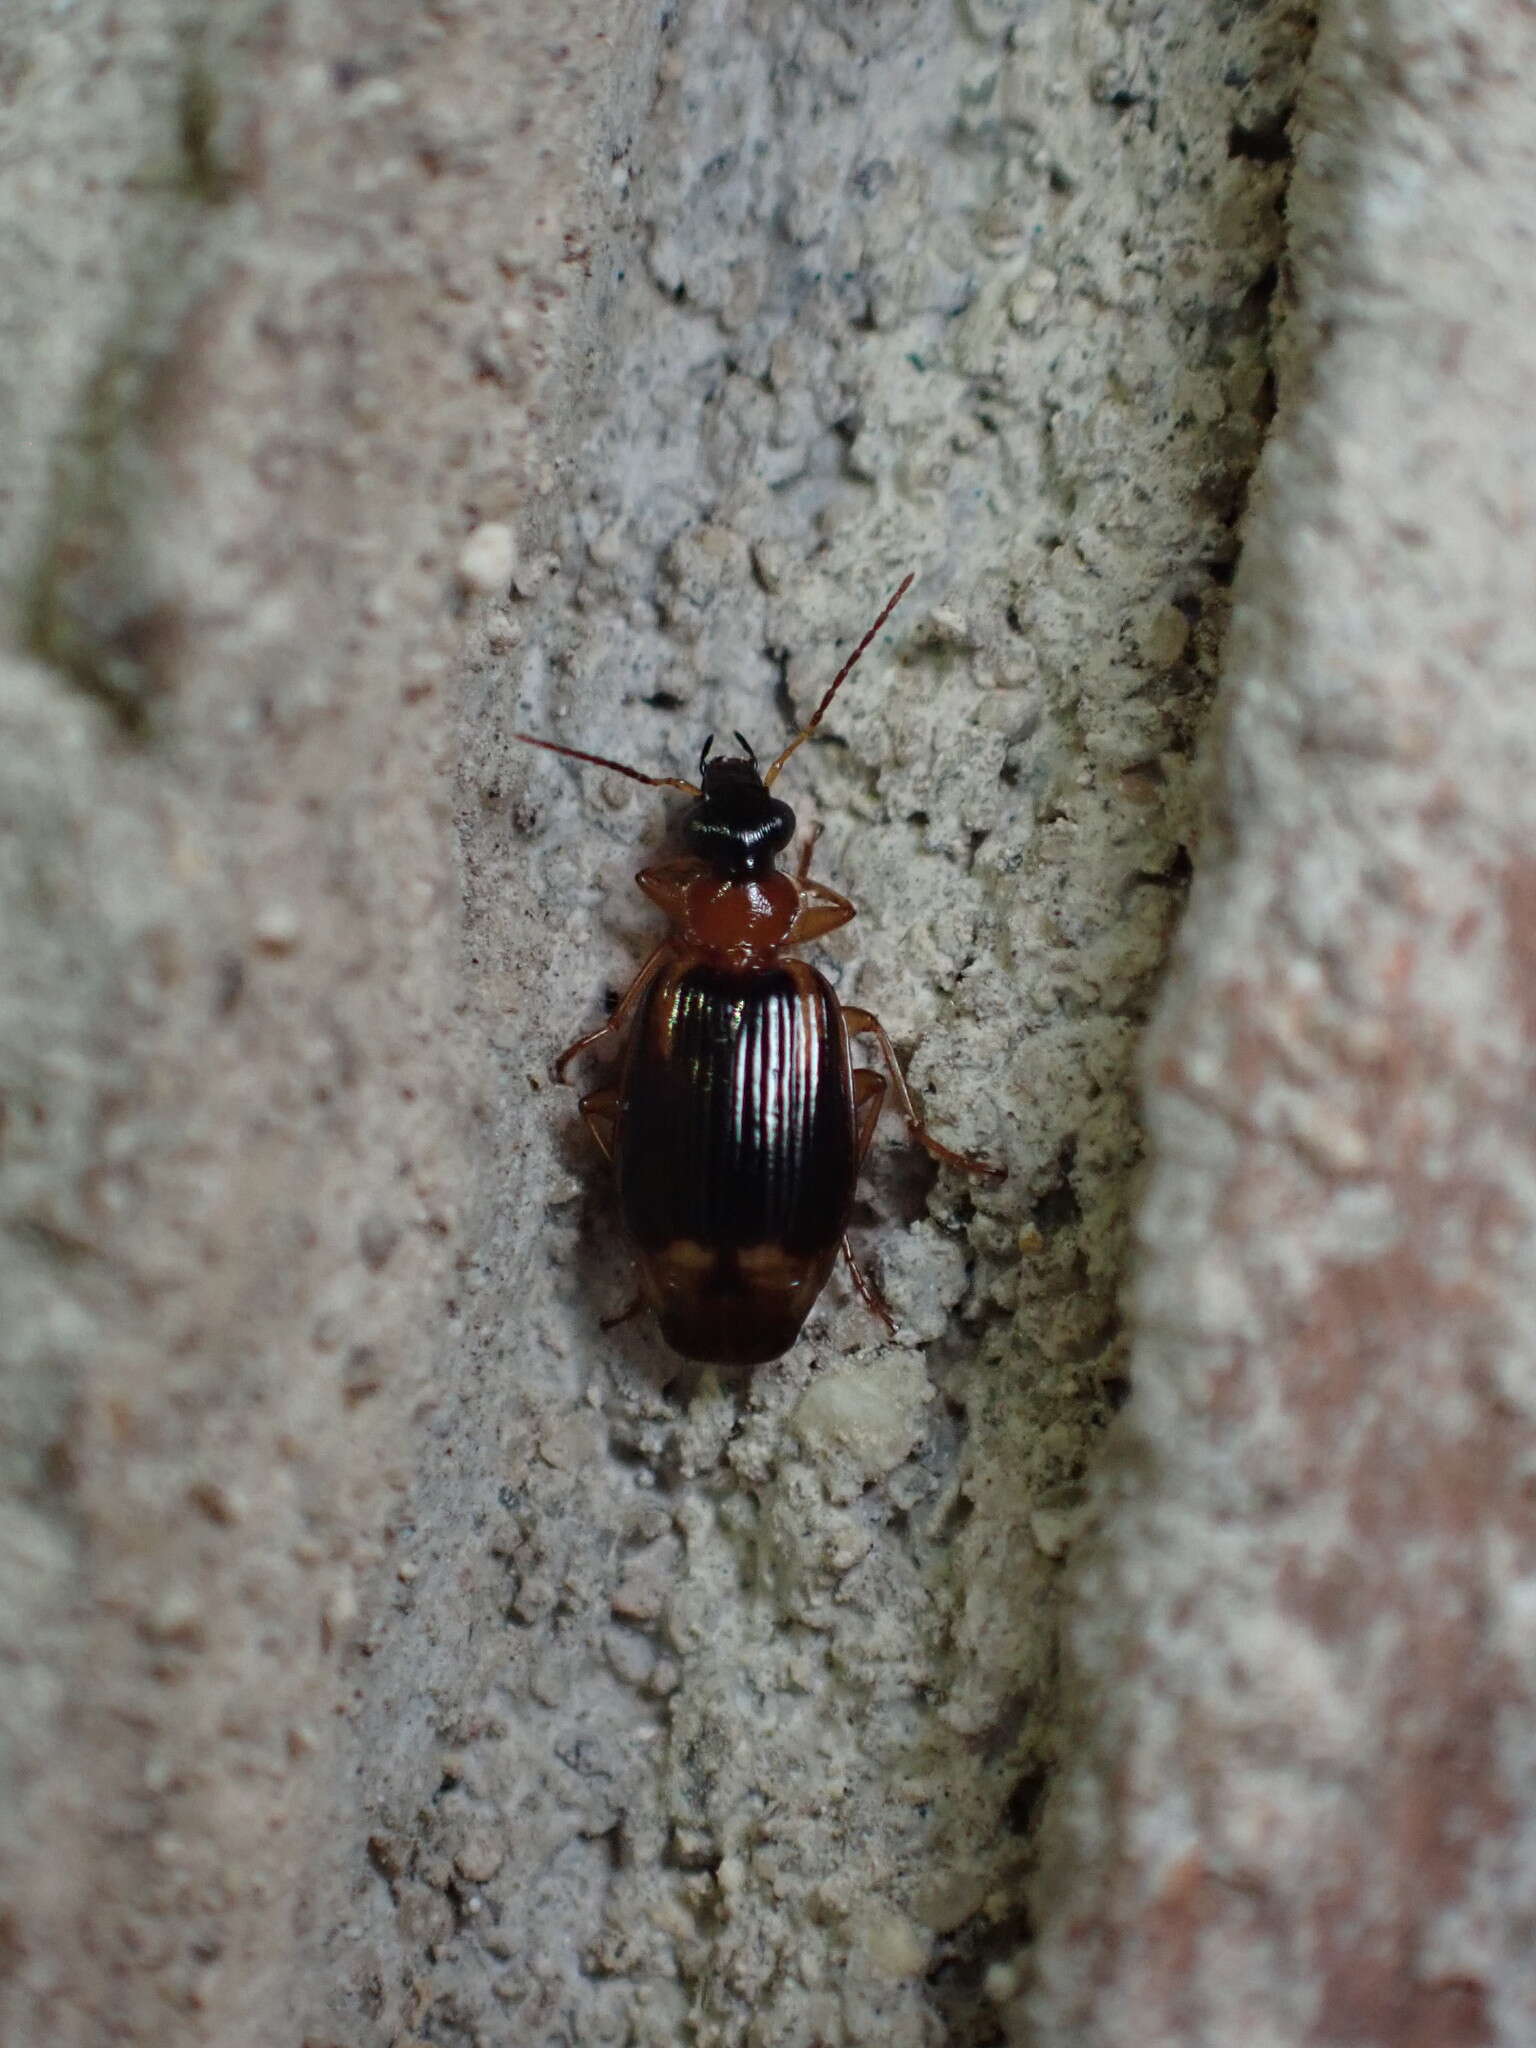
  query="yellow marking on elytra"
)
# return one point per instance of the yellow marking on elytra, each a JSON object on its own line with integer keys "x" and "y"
{"x": 769, "y": 1264}
{"x": 692, "y": 1256}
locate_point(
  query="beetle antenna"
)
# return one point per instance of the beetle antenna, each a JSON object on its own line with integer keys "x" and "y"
{"x": 618, "y": 767}
{"x": 839, "y": 679}
{"x": 746, "y": 748}
{"x": 704, "y": 754}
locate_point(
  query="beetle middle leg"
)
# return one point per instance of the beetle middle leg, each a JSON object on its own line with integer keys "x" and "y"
{"x": 600, "y": 1112}
{"x": 870, "y": 1295}
{"x": 864, "y": 1023}
{"x": 868, "y": 1101}
{"x": 621, "y": 1015}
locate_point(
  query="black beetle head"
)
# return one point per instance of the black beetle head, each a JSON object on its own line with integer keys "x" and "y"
{"x": 736, "y": 826}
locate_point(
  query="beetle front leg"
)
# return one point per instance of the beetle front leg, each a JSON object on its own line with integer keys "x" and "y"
{"x": 803, "y": 865}
{"x": 622, "y": 1013}
{"x": 667, "y": 885}
{"x": 865, "y": 1024}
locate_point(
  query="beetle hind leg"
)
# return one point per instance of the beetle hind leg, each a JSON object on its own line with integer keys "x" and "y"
{"x": 625, "y": 1314}
{"x": 869, "y": 1294}
{"x": 868, "y": 1101}
{"x": 600, "y": 1112}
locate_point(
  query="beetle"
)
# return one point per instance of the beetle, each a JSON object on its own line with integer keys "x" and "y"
{"x": 737, "y": 1122}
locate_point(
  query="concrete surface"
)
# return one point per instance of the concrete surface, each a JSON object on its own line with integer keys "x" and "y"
{"x": 394, "y": 1655}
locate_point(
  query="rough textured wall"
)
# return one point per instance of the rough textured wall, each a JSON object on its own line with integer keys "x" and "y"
{"x": 771, "y": 1696}
{"x": 1301, "y": 1804}
{"x": 394, "y": 1656}
{"x": 286, "y": 309}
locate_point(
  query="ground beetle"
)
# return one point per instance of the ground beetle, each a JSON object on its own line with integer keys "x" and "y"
{"x": 737, "y": 1122}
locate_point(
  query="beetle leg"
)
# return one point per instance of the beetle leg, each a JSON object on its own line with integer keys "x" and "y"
{"x": 868, "y": 1101}
{"x": 862, "y": 1023}
{"x": 667, "y": 885}
{"x": 827, "y": 910}
{"x": 621, "y": 1013}
{"x": 871, "y": 1296}
{"x": 823, "y": 912}
{"x": 600, "y": 1112}
{"x": 624, "y": 1314}
{"x": 803, "y": 867}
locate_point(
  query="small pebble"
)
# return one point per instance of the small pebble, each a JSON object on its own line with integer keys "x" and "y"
{"x": 487, "y": 559}
{"x": 276, "y": 929}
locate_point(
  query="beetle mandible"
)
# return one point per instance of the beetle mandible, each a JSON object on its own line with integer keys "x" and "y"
{"x": 737, "y": 1121}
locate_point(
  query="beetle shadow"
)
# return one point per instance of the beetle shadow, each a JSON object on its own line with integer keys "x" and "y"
{"x": 606, "y": 1282}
